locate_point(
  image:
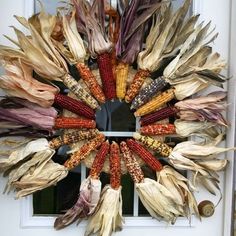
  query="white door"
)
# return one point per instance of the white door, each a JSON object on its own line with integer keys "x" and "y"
{"x": 16, "y": 215}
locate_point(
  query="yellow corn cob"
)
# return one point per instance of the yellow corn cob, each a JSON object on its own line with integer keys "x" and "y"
{"x": 155, "y": 103}
{"x": 153, "y": 144}
{"x": 122, "y": 71}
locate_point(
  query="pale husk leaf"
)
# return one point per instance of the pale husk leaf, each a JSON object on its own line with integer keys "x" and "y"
{"x": 106, "y": 219}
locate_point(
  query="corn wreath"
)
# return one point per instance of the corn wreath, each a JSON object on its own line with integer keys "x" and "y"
{"x": 171, "y": 56}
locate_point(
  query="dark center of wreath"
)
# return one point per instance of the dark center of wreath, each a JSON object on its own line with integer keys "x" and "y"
{"x": 115, "y": 116}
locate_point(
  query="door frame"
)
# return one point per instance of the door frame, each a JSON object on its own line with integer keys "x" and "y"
{"x": 27, "y": 220}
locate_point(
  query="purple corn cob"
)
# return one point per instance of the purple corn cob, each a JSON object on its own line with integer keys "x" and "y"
{"x": 158, "y": 115}
{"x": 148, "y": 92}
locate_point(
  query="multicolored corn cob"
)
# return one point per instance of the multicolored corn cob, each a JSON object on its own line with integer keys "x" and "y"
{"x": 122, "y": 71}
{"x": 158, "y": 129}
{"x": 136, "y": 84}
{"x": 115, "y": 168}
{"x": 148, "y": 92}
{"x": 161, "y": 114}
{"x": 143, "y": 153}
{"x": 73, "y": 123}
{"x": 80, "y": 92}
{"x": 155, "y": 103}
{"x": 153, "y": 144}
{"x": 74, "y": 106}
{"x": 131, "y": 163}
{"x": 99, "y": 160}
{"x": 84, "y": 151}
{"x": 106, "y": 73}
{"x": 72, "y": 137}
{"x": 91, "y": 82}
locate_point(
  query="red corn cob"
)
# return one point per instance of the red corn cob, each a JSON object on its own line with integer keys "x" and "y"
{"x": 84, "y": 151}
{"x": 73, "y": 123}
{"x": 158, "y": 129}
{"x": 108, "y": 81}
{"x": 74, "y": 106}
{"x": 72, "y": 137}
{"x": 136, "y": 85}
{"x": 161, "y": 114}
{"x": 99, "y": 160}
{"x": 91, "y": 81}
{"x": 145, "y": 155}
{"x": 131, "y": 163}
{"x": 115, "y": 169}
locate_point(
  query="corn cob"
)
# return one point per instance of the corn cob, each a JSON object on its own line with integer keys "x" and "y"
{"x": 143, "y": 153}
{"x": 115, "y": 169}
{"x": 148, "y": 92}
{"x": 131, "y": 163}
{"x": 122, "y": 71}
{"x": 161, "y": 114}
{"x": 80, "y": 92}
{"x": 73, "y": 123}
{"x": 99, "y": 160}
{"x": 153, "y": 144}
{"x": 72, "y": 137}
{"x": 84, "y": 151}
{"x": 158, "y": 129}
{"x": 136, "y": 84}
{"x": 74, "y": 106}
{"x": 155, "y": 103}
{"x": 106, "y": 73}
{"x": 91, "y": 82}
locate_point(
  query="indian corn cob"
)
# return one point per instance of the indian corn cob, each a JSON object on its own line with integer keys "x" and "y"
{"x": 136, "y": 84}
{"x": 153, "y": 144}
{"x": 80, "y": 92}
{"x": 158, "y": 129}
{"x": 99, "y": 160}
{"x": 161, "y": 114}
{"x": 74, "y": 106}
{"x": 84, "y": 151}
{"x": 131, "y": 163}
{"x": 122, "y": 71}
{"x": 72, "y": 137}
{"x": 115, "y": 168}
{"x": 148, "y": 92}
{"x": 155, "y": 103}
{"x": 106, "y": 73}
{"x": 72, "y": 123}
{"x": 91, "y": 81}
{"x": 143, "y": 153}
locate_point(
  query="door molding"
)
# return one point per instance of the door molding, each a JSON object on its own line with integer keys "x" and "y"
{"x": 27, "y": 218}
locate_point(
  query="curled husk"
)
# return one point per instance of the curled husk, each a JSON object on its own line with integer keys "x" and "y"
{"x": 180, "y": 188}
{"x": 19, "y": 82}
{"x": 158, "y": 200}
{"x": 107, "y": 219}
{"x": 90, "y": 190}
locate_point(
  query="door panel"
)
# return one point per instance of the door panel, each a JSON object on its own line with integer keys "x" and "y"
{"x": 14, "y": 214}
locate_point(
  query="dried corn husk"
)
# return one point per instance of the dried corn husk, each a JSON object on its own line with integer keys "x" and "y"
{"x": 108, "y": 215}
{"x": 180, "y": 188}
{"x": 204, "y": 108}
{"x": 207, "y": 130}
{"x": 158, "y": 200}
{"x": 42, "y": 176}
{"x": 23, "y": 152}
{"x": 37, "y": 159}
{"x": 19, "y": 82}
{"x": 76, "y": 52}
{"x": 90, "y": 190}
